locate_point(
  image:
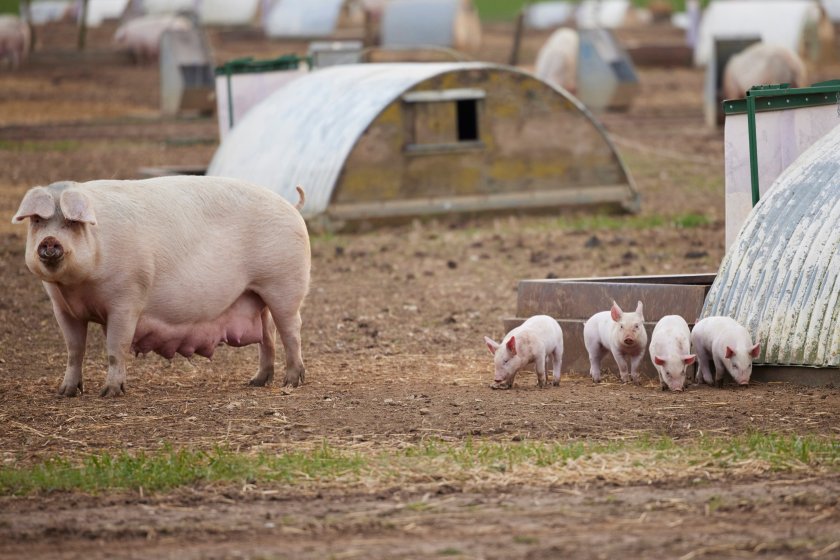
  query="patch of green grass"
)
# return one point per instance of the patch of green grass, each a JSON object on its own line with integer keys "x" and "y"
{"x": 482, "y": 460}
{"x": 506, "y": 10}
{"x": 37, "y": 146}
{"x": 449, "y": 552}
{"x": 171, "y": 469}
{"x": 10, "y": 7}
{"x": 525, "y": 539}
{"x": 691, "y": 220}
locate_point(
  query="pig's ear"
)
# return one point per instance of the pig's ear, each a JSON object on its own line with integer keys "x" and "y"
{"x": 76, "y": 206}
{"x": 689, "y": 359}
{"x": 640, "y": 311}
{"x": 658, "y": 361}
{"x": 511, "y": 345}
{"x": 36, "y": 202}
{"x": 616, "y": 312}
{"x": 755, "y": 350}
{"x": 729, "y": 352}
{"x": 492, "y": 345}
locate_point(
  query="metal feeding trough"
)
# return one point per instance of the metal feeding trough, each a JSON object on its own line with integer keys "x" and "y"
{"x": 186, "y": 73}
{"x": 574, "y": 300}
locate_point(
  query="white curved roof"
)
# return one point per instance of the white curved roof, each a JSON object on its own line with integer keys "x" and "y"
{"x": 781, "y": 277}
{"x": 291, "y": 18}
{"x": 339, "y": 102}
{"x": 780, "y": 22}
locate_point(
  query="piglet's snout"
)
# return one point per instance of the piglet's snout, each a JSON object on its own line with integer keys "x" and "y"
{"x": 629, "y": 341}
{"x": 50, "y": 251}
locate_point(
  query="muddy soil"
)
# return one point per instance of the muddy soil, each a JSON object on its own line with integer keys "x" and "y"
{"x": 393, "y": 345}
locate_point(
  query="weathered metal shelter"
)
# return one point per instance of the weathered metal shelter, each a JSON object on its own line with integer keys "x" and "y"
{"x": 186, "y": 72}
{"x": 781, "y": 276}
{"x": 419, "y": 23}
{"x": 302, "y": 18}
{"x": 371, "y": 141}
{"x": 791, "y": 23}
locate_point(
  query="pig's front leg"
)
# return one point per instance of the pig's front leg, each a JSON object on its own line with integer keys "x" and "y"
{"x": 75, "y": 337}
{"x": 539, "y": 363}
{"x": 720, "y": 369}
{"x": 623, "y": 370}
{"x": 119, "y": 332}
{"x": 634, "y": 367}
{"x": 267, "y": 351}
{"x": 703, "y": 373}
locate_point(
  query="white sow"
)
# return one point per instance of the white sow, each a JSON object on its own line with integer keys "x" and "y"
{"x": 535, "y": 340}
{"x": 670, "y": 351}
{"x": 170, "y": 265}
{"x": 722, "y": 341}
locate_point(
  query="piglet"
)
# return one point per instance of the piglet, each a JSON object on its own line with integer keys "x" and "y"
{"x": 670, "y": 346}
{"x": 622, "y": 334}
{"x": 14, "y": 40}
{"x": 726, "y": 343}
{"x": 533, "y": 341}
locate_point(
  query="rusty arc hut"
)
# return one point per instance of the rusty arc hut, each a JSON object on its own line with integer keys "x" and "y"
{"x": 383, "y": 141}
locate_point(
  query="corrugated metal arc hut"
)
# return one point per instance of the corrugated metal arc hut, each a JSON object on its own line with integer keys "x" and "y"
{"x": 781, "y": 277}
{"x": 387, "y": 140}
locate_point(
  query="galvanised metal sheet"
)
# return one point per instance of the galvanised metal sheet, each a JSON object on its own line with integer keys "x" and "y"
{"x": 412, "y": 23}
{"x": 302, "y": 134}
{"x": 781, "y": 277}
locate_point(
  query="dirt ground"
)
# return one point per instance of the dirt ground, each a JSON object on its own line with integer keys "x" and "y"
{"x": 393, "y": 346}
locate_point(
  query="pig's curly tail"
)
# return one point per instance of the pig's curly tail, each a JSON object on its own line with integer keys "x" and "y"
{"x": 302, "y": 196}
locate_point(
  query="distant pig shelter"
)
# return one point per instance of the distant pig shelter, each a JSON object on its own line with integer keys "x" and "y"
{"x": 381, "y": 141}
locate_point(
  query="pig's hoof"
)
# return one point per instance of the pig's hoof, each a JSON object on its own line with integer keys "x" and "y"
{"x": 257, "y": 382}
{"x": 294, "y": 378}
{"x": 556, "y": 383}
{"x": 70, "y": 390}
{"x": 112, "y": 390}
{"x": 500, "y": 386}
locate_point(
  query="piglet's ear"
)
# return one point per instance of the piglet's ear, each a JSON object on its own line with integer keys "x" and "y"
{"x": 492, "y": 345}
{"x": 36, "y": 202}
{"x": 511, "y": 345}
{"x": 658, "y": 361}
{"x": 76, "y": 206}
{"x": 616, "y": 312}
{"x": 640, "y": 311}
{"x": 756, "y": 350}
{"x": 689, "y": 359}
{"x": 729, "y": 352}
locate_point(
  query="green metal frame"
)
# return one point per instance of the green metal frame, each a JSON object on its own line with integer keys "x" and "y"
{"x": 777, "y": 97}
{"x": 248, "y": 65}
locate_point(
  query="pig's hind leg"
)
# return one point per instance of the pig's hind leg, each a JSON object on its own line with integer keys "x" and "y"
{"x": 703, "y": 370}
{"x": 267, "y": 351}
{"x": 286, "y": 316}
{"x": 596, "y": 353}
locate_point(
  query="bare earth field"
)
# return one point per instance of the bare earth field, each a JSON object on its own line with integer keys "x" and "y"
{"x": 392, "y": 337}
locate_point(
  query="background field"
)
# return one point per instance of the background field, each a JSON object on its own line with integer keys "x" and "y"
{"x": 395, "y": 447}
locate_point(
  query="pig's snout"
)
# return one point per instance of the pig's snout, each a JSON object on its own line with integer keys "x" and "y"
{"x": 629, "y": 341}
{"x": 743, "y": 383}
{"x": 50, "y": 251}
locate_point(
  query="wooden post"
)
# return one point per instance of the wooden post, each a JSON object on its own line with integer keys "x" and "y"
{"x": 83, "y": 26}
{"x": 517, "y": 38}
